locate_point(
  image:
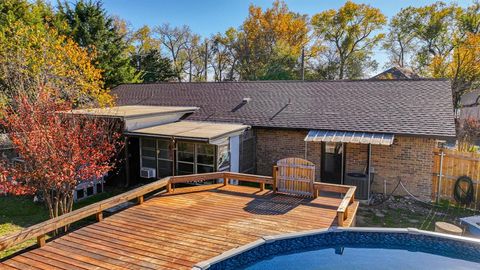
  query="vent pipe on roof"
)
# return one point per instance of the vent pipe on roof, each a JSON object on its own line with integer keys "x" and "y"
{"x": 244, "y": 101}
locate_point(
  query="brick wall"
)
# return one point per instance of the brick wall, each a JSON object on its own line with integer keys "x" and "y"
{"x": 356, "y": 159}
{"x": 275, "y": 144}
{"x": 411, "y": 158}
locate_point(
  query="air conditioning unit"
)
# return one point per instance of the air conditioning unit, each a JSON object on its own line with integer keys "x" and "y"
{"x": 147, "y": 173}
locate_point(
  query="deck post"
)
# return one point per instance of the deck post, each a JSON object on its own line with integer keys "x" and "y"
{"x": 340, "y": 218}
{"x": 140, "y": 199}
{"x": 169, "y": 187}
{"x": 99, "y": 216}
{"x": 225, "y": 181}
{"x": 274, "y": 175}
{"x": 262, "y": 186}
{"x": 41, "y": 240}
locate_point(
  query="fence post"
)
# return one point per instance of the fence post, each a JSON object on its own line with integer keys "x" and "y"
{"x": 440, "y": 175}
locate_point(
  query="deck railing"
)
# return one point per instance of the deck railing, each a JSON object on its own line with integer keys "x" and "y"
{"x": 40, "y": 230}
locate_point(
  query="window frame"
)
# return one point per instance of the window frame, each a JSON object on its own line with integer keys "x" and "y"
{"x": 195, "y": 162}
{"x": 148, "y": 157}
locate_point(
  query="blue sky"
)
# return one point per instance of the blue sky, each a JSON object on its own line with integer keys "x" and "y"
{"x": 207, "y": 17}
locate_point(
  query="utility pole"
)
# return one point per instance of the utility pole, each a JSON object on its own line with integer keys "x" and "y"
{"x": 206, "y": 60}
{"x": 303, "y": 63}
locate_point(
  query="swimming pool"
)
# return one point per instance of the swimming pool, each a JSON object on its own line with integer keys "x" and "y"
{"x": 352, "y": 248}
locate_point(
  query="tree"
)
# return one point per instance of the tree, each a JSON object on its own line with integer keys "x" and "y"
{"x": 468, "y": 131}
{"x": 350, "y": 34}
{"x": 147, "y": 59}
{"x": 441, "y": 41}
{"x": 27, "y": 12}
{"x": 34, "y": 57}
{"x": 462, "y": 66}
{"x": 400, "y": 39}
{"x": 58, "y": 150}
{"x": 224, "y": 56}
{"x": 435, "y": 26}
{"x": 91, "y": 27}
{"x": 269, "y": 40}
{"x": 153, "y": 67}
{"x": 175, "y": 40}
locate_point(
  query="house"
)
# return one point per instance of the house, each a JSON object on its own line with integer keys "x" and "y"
{"x": 369, "y": 133}
{"x": 82, "y": 190}
{"x": 470, "y": 105}
{"x": 396, "y": 73}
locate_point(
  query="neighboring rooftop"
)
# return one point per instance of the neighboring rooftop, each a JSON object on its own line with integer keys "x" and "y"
{"x": 411, "y": 107}
{"x": 196, "y": 130}
{"x": 135, "y": 110}
{"x": 397, "y": 73}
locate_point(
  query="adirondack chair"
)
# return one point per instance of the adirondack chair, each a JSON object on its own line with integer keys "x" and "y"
{"x": 295, "y": 176}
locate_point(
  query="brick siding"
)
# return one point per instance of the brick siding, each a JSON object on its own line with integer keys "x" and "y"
{"x": 410, "y": 158}
{"x": 275, "y": 144}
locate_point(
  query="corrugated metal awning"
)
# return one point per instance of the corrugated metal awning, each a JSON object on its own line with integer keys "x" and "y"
{"x": 349, "y": 137}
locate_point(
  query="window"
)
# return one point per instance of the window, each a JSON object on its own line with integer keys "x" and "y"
{"x": 157, "y": 154}
{"x": 195, "y": 158}
{"x": 148, "y": 152}
{"x": 80, "y": 194}
{"x": 205, "y": 158}
{"x": 164, "y": 158}
{"x": 185, "y": 158}
{"x": 99, "y": 187}
{"x": 89, "y": 191}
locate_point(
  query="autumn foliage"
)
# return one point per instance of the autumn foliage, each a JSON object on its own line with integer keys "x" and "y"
{"x": 58, "y": 150}
{"x": 36, "y": 57}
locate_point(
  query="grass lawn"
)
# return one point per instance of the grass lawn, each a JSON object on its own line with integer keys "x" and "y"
{"x": 18, "y": 212}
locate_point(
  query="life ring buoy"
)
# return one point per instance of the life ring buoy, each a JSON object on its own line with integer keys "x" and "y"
{"x": 462, "y": 195}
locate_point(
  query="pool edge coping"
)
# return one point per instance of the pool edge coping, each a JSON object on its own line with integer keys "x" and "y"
{"x": 204, "y": 265}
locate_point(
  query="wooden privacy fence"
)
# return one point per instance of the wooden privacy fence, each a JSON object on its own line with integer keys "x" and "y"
{"x": 448, "y": 166}
{"x": 295, "y": 176}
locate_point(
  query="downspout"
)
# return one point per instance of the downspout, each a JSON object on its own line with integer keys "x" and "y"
{"x": 306, "y": 150}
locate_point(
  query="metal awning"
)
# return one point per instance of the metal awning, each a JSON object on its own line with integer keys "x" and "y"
{"x": 192, "y": 130}
{"x": 349, "y": 137}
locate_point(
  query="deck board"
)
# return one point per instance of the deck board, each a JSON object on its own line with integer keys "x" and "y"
{"x": 179, "y": 229}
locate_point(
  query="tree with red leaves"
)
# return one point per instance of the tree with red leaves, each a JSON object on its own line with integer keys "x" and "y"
{"x": 59, "y": 149}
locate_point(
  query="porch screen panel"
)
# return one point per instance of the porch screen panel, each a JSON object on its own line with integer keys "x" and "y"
{"x": 205, "y": 158}
{"x": 164, "y": 158}
{"x": 186, "y": 158}
{"x": 148, "y": 152}
{"x": 195, "y": 158}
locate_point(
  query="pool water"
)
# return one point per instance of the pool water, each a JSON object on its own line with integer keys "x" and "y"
{"x": 358, "y": 250}
{"x": 362, "y": 259}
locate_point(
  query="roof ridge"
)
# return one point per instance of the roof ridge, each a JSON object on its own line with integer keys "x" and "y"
{"x": 290, "y": 81}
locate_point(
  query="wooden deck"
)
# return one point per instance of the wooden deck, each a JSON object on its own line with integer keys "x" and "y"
{"x": 178, "y": 229}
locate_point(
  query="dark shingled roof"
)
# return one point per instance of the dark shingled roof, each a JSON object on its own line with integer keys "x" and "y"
{"x": 410, "y": 107}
